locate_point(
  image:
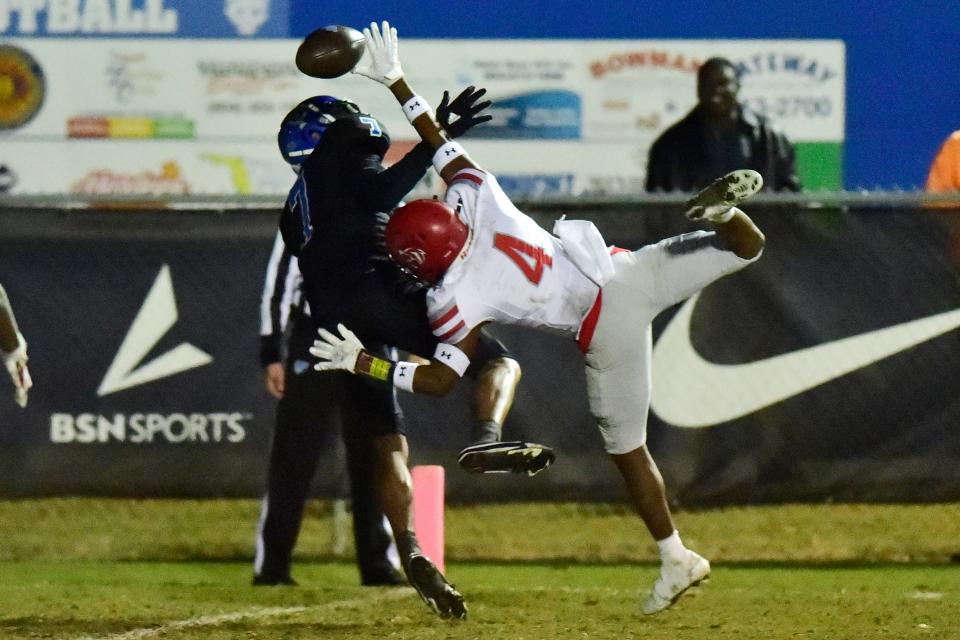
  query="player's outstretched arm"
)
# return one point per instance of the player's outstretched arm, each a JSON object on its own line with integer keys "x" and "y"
{"x": 438, "y": 378}
{"x": 382, "y": 64}
{"x": 13, "y": 350}
{"x": 8, "y": 324}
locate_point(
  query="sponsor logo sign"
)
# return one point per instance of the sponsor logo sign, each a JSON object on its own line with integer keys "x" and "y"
{"x": 522, "y": 68}
{"x": 131, "y": 367}
{"x": 168, "y": 180}
{"x": 149, "y": 428}
{"x": 156, "y": 316}
{"x": 536, "y": 185}
{"x": 538, "y": 114}
{"x": 688, "y": 390}
{"x": 22, "y": 87}
{"x": 129, "y": 127}
{"x": 244, "y": 77}
{"x": 799, "y": 85}
{"x": 792, "y": 87}
{"x": 619, "y": 61}
{"x": 130, "y": 76}
{"x": 247, "y": 15}
{"x": 263, "y": 89}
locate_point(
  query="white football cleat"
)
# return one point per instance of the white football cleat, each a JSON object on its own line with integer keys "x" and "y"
{"x": 717, "y": 201}
{"x": 676, "y": 576}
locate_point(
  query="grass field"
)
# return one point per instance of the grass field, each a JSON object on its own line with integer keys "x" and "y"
{"x": 181, "y": 569}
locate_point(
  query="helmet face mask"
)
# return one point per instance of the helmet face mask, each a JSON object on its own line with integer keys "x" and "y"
{"x": 306, "y": 125}
{"x": 423, "y": 238}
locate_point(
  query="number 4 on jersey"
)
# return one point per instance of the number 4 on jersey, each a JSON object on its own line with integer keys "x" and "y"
{"x": 529, "y": 258}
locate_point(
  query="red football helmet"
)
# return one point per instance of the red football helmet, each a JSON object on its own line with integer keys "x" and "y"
{"x": 424, "y": 237}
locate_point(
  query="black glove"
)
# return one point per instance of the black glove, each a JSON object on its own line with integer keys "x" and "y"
{"x": 465, "y": 108}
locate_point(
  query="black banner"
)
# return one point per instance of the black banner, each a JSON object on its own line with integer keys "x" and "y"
{"x": 827, "y": 370}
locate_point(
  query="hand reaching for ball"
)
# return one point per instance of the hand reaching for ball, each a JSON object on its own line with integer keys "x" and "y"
{"x": 382, "y": 59}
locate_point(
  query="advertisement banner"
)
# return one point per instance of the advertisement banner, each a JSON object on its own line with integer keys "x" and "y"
{"x": 105, "y": 167}
{"x": 825, "y": 371}
{"x": 125, "y": 167}
{"x": 589, "y": 109}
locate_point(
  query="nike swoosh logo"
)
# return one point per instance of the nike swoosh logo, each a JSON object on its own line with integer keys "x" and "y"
{"x": 156, "y": 316}
{"x": 689, "y": 391}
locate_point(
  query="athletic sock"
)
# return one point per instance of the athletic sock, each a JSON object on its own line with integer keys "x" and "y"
{"x": 485, "y": 432}
{"x": 407, "y": 545}
{"x": 671, "y": 547}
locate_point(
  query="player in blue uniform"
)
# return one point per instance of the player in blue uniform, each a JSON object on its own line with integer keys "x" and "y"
{"x": 330, "y": 224}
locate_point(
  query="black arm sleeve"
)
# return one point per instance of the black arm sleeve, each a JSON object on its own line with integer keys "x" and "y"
{"x": 382, "y": 189}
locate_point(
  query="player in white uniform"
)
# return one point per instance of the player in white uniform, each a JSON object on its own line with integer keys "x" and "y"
{"x": 488, "y": 262}
{"x": 511, "y": 270}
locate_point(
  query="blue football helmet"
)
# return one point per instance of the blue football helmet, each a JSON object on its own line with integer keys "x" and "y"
{"x": 304, "y": 127}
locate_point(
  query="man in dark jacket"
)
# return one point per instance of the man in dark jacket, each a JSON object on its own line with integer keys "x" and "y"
{"x": 720, "y": 135}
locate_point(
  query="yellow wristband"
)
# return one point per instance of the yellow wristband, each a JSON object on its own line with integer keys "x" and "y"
{"x": 380, "y": 369}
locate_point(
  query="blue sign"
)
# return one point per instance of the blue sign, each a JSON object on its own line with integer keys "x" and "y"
{"x": 536, "y": 185}
{"x": 146, "y": 18}
{"x": 555, "y": 115}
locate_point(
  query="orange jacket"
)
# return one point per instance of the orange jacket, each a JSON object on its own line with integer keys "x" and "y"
{"x": 945, "y": 170}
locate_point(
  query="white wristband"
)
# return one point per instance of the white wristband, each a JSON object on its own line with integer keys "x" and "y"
{"x": 446, "y": 153}
{"x": 415, "y": 107}
{"x": 403, "y": 375}
{"x": 452, "y": 357}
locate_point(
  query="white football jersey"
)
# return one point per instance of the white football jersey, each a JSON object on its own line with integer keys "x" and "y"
{"x": 511, "y": 270}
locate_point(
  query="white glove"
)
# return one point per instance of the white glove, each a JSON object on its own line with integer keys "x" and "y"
{"x": 336, "y": 352}
{"x": 16, "y": 363}
{"x": 381, "y": 60}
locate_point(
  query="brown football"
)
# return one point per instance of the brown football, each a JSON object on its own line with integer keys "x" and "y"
{"x": 330, "y": 52}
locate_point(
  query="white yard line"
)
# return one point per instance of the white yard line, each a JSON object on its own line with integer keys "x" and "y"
{"x": 254, "y": 613}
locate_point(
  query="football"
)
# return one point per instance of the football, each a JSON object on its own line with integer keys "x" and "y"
{"x": 330, "y": 52}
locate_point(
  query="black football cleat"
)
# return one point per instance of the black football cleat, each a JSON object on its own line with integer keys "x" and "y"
{"x": 274, "y": 581}
{"x": 514, "y": 456}
{"x": 433, "y": 587}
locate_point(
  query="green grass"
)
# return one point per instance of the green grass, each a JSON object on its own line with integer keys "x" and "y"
{"x": 100, "y": 529}
{"x": 212, "y": 600}
{"x": 72, "y": 568}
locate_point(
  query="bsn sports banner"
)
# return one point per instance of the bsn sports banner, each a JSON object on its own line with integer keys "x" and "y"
{"x": 824, "y": 371}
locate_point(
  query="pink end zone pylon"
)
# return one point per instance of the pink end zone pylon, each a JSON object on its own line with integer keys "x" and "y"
{"x": 428, "y": 511}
